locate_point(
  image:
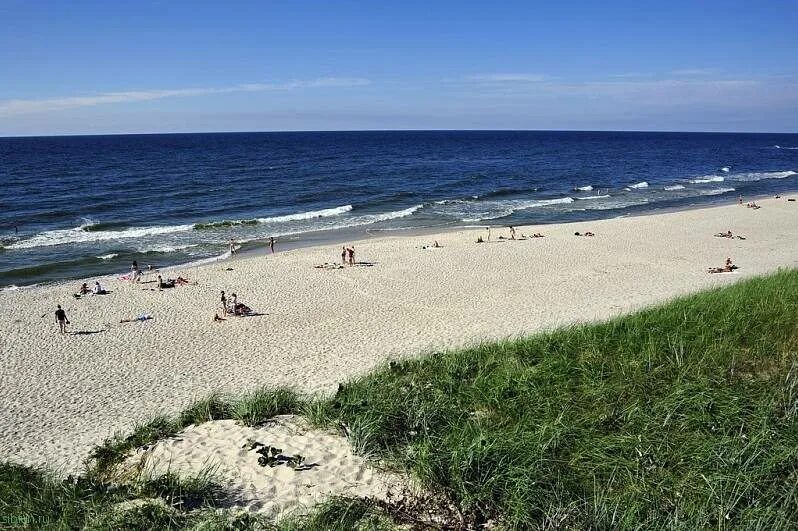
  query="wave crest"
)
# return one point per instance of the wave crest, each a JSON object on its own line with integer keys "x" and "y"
{"x": 708, "y": 179}
{"x": 81, "y": 235}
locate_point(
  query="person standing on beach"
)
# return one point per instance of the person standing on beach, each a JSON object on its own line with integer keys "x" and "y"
{"x": 224, "y": 304}
{"x": 61, "y": 319}
{"x": 488, "y": 229}
{"x": 271, "y": 243}
{"x": 232, "y": 247}
{"x": 343, "y": 255}
{"x": 135, "y": 272}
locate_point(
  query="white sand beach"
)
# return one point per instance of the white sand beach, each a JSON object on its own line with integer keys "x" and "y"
{"x": 62, "y": 394}
{"x": 229, "y": 452}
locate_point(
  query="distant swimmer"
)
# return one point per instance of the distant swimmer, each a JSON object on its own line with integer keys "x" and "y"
{"x": 61, "y": 319}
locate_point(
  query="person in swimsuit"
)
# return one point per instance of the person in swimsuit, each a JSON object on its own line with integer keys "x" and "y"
{"x": 271, "y": 244}
{"x": 224, "y": 304}
{"x": 84, "y": 289}
{"x": 61, "y": 319}
{"x": 135, "y": 272}
{"x": 343, "y": 255}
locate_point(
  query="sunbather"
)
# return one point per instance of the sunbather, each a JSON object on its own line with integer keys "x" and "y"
{"x": 142, "y": 317}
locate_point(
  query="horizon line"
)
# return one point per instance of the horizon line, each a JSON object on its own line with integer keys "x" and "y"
{"x": 273, "y": 131}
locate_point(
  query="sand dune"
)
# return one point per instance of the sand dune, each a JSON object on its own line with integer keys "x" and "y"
{"x": 62, "y": 394}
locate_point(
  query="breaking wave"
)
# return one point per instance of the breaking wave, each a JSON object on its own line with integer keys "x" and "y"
{"x": 673, "y": 187}
{"x": 708, "y": 179}
{"x": 758, "y": 176}
{"x": 717, "y": 191}
{"x": 300, "y": 216}
{"x": 83, "y": 234}
{"x": 587, "y": 188}
{"x": 639, "y": 185}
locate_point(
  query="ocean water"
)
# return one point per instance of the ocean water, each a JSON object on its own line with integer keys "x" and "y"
{"x": 74, "y": 207}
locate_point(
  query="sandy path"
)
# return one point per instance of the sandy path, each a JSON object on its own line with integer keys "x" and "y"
{"x": 60, "y": 395}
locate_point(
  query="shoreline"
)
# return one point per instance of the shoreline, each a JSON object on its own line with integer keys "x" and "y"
{"x": 63, "y": 394}
{"x": 359, "y": 234}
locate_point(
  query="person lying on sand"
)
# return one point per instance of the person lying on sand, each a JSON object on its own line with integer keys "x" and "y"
{"x": 180, "y": 281}
{"x": 538, "y": 235}
{"x": 165, "y": 284}
{"x": 753, "y": 205}
{"x": 142, "y": 317}
{"x": 728, "y": 268}
{"x": 327, "y": 265}
{"x": 585, "y": 234}
{"x": 727, "y": 234}
{"x": 435, "y": 245}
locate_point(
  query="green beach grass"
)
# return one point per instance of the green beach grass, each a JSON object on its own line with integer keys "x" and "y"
{"x": 681, "y": 416}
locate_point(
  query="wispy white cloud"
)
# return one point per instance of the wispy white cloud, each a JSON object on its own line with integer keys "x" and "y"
{"x": 694, "y": 72}
{"x": 23, "y": 106}
{"x": 511, "y": 78}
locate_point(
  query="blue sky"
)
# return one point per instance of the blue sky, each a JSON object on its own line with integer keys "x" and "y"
{"x": 127, "y": 67}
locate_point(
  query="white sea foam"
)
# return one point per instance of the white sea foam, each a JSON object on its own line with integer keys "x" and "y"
{"x": 108, "y": 256}
{"x": 14, "y": 287}
{"x": 452, "y": 201}
{"x": 717, "y": 191}
{"x": 708, "y": 179}
{"x": 501, "y": 209}
{"x": 395, "y": 214}
{"x": 81, "y": 235}
{"x": 327, "y": 212}
{"x": 594, "y": 197}
{"x": 673, "y": 187}
{"x": 168, "y": 248}
{"x": 758, "y": 176}
{"x": 643, "y": 184}
{"x": 587, "y": 188}
{"x": 725, "y": 169}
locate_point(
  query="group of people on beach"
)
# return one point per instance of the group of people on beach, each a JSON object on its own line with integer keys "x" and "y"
{"x": 512, "y": 235}
{"x": 84, "y": 289}
{"x": 727, "y": 268}
{"x": 348, "y": 255}
{"x": 231, "y": 306}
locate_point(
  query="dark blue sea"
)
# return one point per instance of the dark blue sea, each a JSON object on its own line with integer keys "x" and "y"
{"x": 74, "y": 207}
